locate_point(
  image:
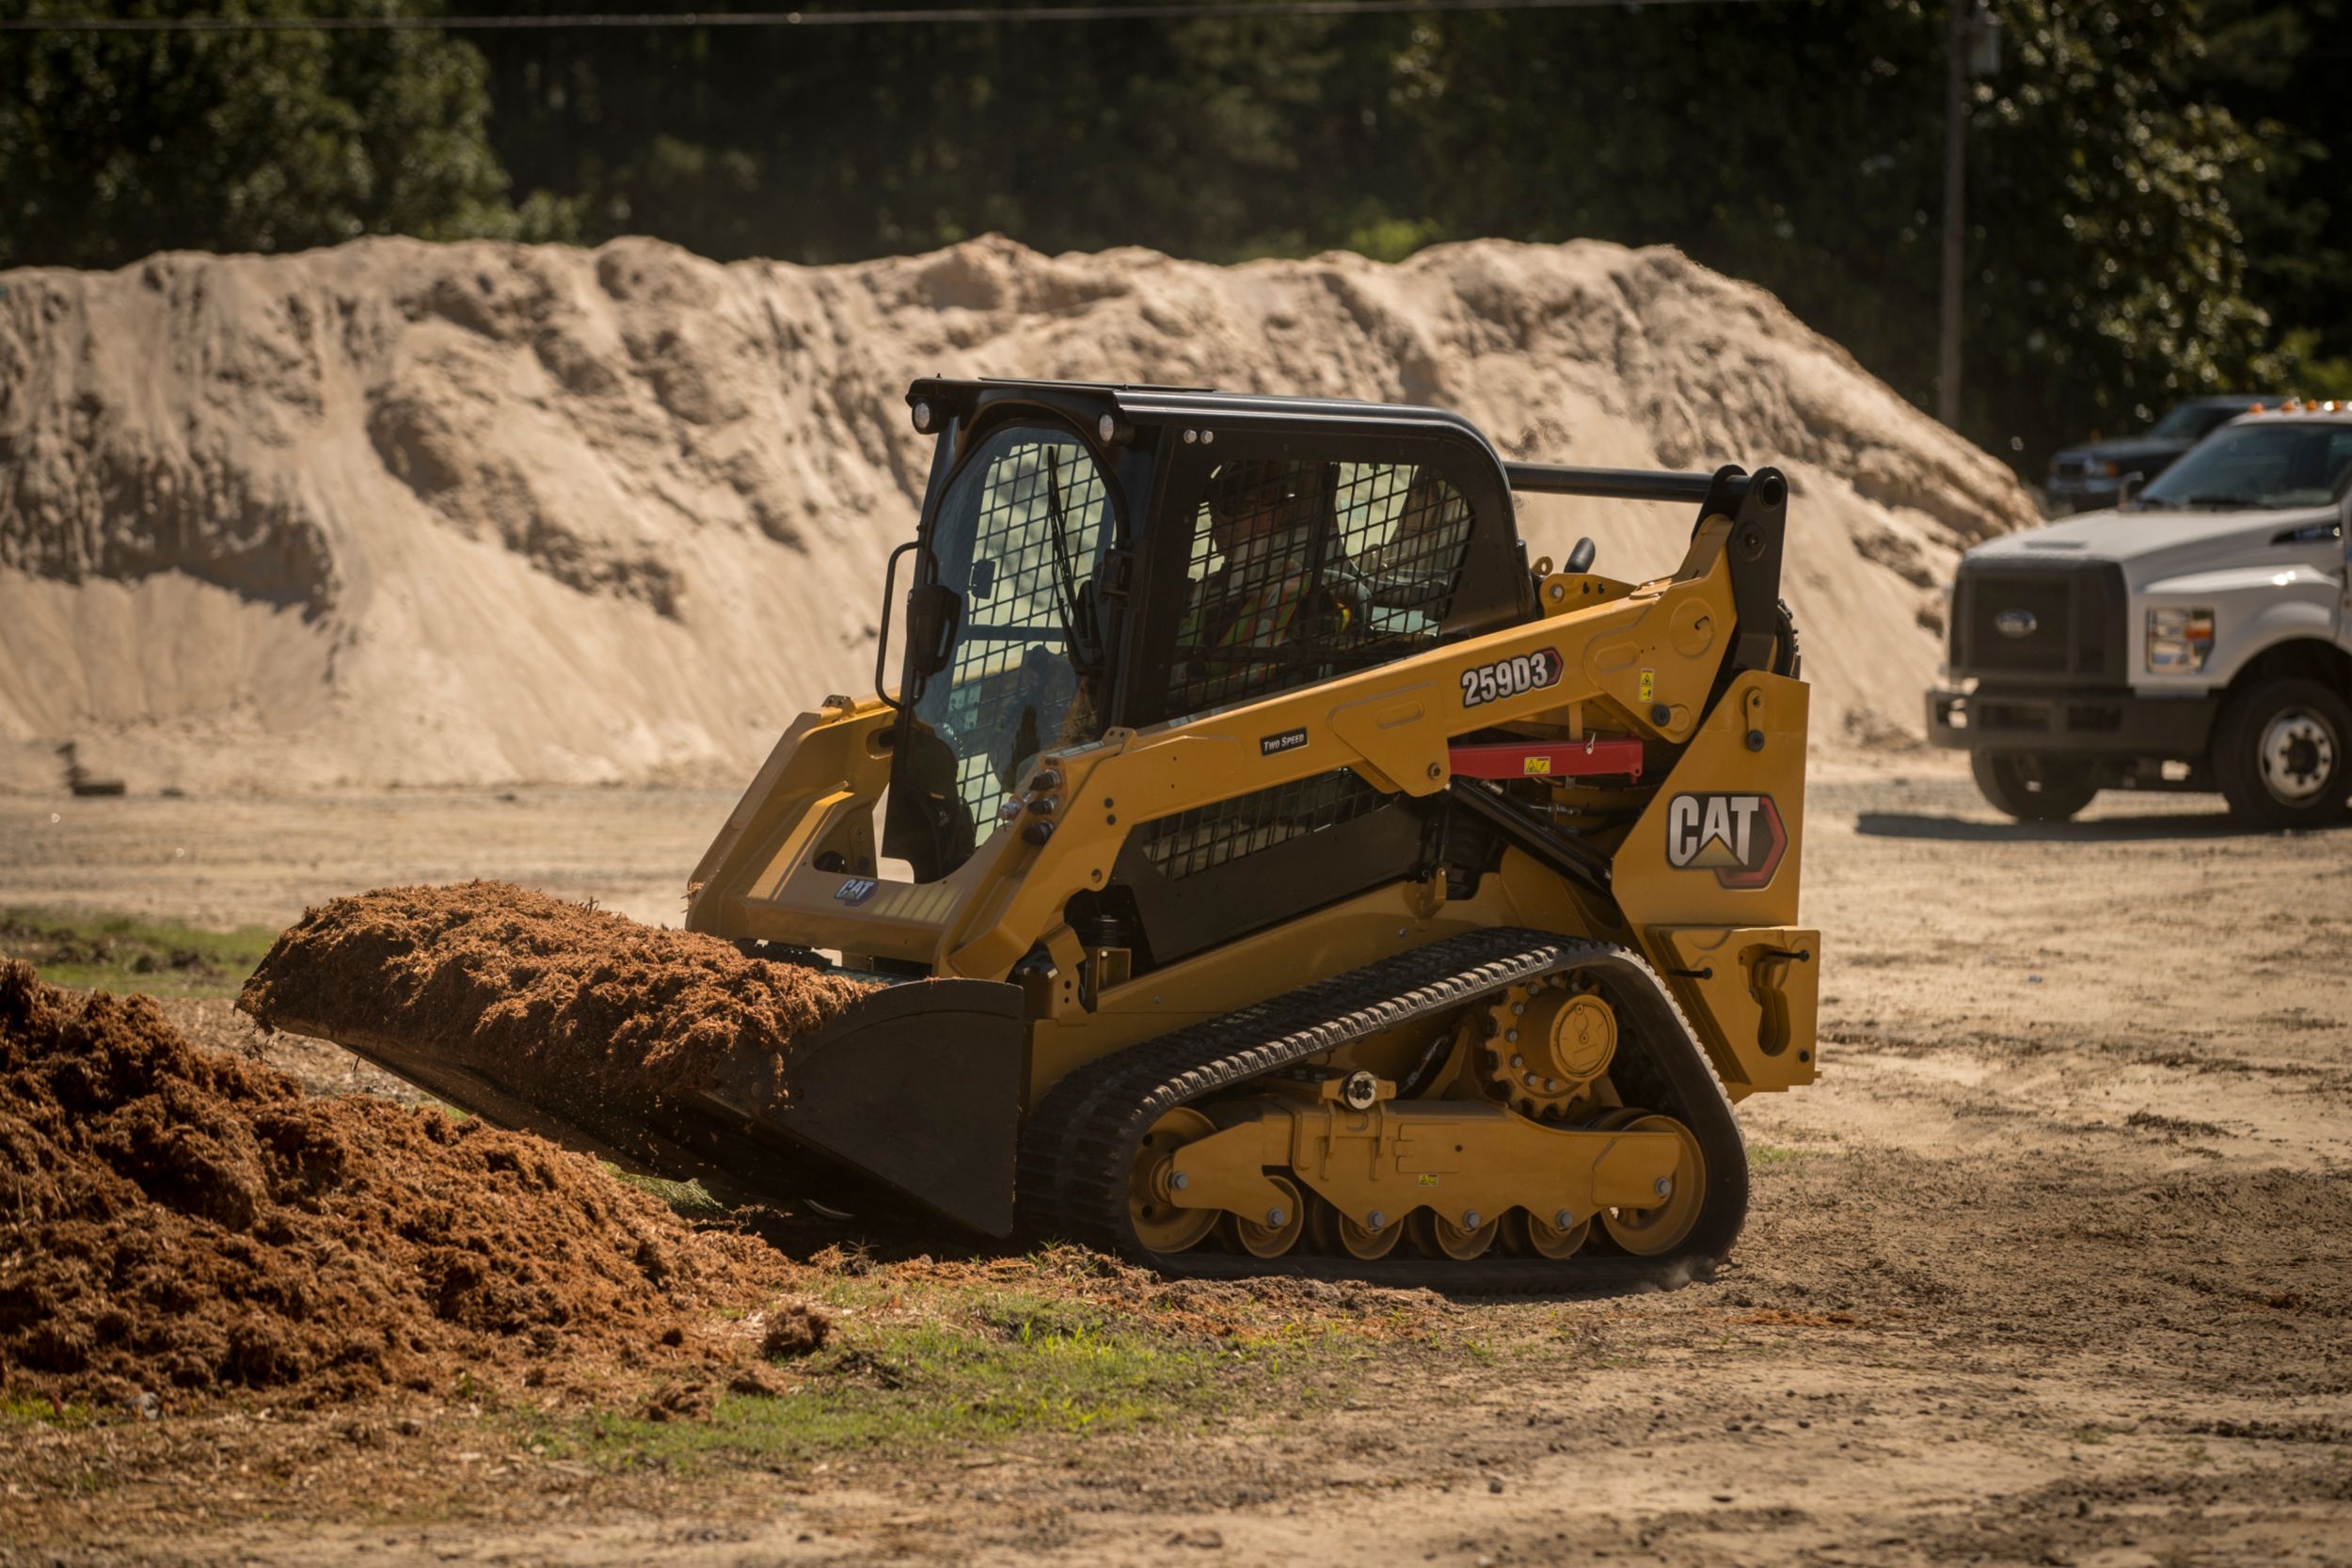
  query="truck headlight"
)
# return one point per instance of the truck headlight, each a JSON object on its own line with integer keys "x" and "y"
{"x": 2106, "y": 471}
{"x": 2179, "y": 640}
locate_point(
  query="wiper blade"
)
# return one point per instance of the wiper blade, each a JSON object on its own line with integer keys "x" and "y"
{"x": 2220, "y": 503}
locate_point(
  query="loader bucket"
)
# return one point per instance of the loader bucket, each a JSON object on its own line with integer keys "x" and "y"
{"x": 915, "y": 1086}
{"x": 910, "y": 1095}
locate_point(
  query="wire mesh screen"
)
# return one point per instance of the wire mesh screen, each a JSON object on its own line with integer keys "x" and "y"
{"x": 1210, "y": 836}
{"x": 1023, "y": 527}
{"x": 1303, "y": 570}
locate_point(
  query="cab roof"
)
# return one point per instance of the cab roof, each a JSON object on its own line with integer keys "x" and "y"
{"x": 1144, "y": 403}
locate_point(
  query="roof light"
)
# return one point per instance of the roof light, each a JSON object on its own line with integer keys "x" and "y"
{"x": 923, "y": 417}
{"x": 2256, "y": 408}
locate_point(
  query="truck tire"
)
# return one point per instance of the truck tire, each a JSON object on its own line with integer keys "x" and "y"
{"x": 2034, "y": 786}
{"x": 2283, "y": 755}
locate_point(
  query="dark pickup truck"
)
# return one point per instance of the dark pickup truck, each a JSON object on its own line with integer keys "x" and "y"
{"x": 2085, "y": 478}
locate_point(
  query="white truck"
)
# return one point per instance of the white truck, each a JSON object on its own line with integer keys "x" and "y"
{"x": 2199, "y": 637}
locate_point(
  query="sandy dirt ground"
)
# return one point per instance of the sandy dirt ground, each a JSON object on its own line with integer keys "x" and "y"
{"x": 2053, "y": 1266}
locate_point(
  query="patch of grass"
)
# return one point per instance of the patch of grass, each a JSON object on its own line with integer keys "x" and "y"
{"x": 688, "y": 1198}
{"x": 29, "y": 1413}
{"x": 2091, "y": 1434}
{"x": 1772, "y": 1154}
{"x": 124, "y": 953}
{"x": 901, "y": 1388}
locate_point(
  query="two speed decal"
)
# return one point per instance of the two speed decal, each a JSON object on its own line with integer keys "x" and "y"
{"x": 1510, "y": 677}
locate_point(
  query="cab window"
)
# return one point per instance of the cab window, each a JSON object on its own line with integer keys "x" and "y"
{"x": 1298, "y": 571}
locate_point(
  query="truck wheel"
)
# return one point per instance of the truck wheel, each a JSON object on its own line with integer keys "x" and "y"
{"x": 2283, "y": 755}
{"x": 2033, "y": 787}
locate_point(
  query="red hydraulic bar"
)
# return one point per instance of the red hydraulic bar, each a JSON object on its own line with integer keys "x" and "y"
{"x": 1591, "y": 757}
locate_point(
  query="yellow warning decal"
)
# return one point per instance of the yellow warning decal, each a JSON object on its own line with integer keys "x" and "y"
{"x": 1649, "y": 684}
{"x": 1538, "y": 764}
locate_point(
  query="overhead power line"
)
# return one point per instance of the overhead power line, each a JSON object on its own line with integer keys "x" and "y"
{"x": 1154, "y": 10}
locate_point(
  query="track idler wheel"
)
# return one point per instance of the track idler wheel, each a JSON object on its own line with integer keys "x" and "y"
{"x": 1279, "y": 1229}
{"x": 1440, "y": 1237}
{"x": 1160, "y": 1224}
{"x": 1337, "y": 1235}
{"x": 1651, "y": 1232}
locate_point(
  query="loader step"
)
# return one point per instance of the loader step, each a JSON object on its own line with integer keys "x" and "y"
{"x": 1080, "y": 1143}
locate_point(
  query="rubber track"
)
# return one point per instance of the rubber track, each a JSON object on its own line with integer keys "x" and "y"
{"x": 1079, "y": 1143}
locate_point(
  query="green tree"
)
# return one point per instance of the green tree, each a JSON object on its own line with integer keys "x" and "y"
{"x": 113, "y": 145}
{"x": 2106, "y": 271}
{"x": 2277, "y": 65}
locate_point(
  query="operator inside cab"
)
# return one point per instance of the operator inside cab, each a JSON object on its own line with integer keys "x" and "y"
{"x": 1253, "y": 578}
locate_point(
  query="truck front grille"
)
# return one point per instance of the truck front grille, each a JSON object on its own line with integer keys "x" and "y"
{"x": 2064, "y": 621}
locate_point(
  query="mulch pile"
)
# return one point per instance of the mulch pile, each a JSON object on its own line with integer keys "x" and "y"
{"x": 534, "y": 988}
{"x": 176, "y": 1224}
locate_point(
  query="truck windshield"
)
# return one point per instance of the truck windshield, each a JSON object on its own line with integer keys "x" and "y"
{"x": 2266, "y": 463}
{"x": 2192, "y": 420}
{"x": 1017, "y": 539}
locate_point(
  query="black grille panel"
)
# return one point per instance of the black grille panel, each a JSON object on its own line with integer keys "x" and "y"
{"x": 2066, "y": 622}
{"x": 1210, "y": 836}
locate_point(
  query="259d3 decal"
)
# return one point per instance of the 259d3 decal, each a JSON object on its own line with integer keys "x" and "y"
{"x": 1509, "y": 677}
{"x": 1738, "y": 837}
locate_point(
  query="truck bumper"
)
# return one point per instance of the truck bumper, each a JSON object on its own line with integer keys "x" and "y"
{"x": 2101, "y": 721}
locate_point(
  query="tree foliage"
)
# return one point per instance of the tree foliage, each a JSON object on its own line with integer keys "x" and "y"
{"x": 2157, "y": 204}
{"x": 113, "y": 145}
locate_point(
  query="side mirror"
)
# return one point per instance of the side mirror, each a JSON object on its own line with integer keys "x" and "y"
{"x": 2127, "y": 488}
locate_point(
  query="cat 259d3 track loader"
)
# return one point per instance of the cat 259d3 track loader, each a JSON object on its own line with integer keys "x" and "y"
{"x": 1294, "y": 870}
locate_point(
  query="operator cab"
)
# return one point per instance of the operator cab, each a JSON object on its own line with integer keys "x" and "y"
{"x": 1092, "y": 557}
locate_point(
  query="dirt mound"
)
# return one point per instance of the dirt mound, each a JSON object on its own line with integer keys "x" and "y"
{"x": 178, "y": 1224}
{"x": 416, "y": 514}
{"x": 546, "y": 990}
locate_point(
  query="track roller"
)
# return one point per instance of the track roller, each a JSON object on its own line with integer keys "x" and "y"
{"x": 1439, "y": 1237}
{"x": 1280, "y": 1228}
{"x": 1527, "y": 1235}
{"x": 1338, "y": 1235}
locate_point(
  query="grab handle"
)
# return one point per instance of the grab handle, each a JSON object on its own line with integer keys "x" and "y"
{"x": 881, "y": 644}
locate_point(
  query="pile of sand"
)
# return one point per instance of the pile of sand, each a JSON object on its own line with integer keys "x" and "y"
{"x": 537, "y": 990}
{"x": 405, "y": 513}
{"x": 175, "y": 1224}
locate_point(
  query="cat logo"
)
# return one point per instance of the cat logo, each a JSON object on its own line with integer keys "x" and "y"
{"x": 857, "y": 890}
{"x": 1738, "y": 837}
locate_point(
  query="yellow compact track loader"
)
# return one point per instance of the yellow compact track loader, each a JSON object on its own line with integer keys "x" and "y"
{"x": 1284, "y": 868}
